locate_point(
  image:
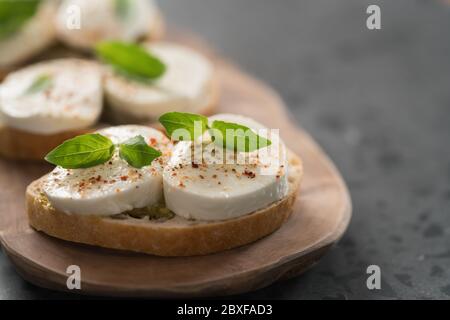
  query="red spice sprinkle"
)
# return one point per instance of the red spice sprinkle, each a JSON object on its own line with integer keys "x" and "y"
{"x": 152, "y": 141}
{"x": 124, "y": 178}
{"x": 181, "y": 184}
{"x": 249, "y": 174}
{"x": 194, "y": 165}
{"x": 99, "y": 178}
{"x": 174, "y": 174}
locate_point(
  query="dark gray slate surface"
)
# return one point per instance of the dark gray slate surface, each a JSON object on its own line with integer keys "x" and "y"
{"x": 378, "y": 102}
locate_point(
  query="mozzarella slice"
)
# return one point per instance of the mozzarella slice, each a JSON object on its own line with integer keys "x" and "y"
{"x": 218, "y": 190}
{"x": 185, "y": 86}
{"x": 37, "y": 34}
{"x": 114, "y": 187}
{"x": 105, "y": 20}
{"x": 72, "y": 100}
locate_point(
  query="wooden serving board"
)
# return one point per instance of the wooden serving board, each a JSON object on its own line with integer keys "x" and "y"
{"x": 321, "y": 215}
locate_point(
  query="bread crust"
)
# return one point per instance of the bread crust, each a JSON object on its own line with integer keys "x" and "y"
{"x": 4, "y": 72}
{"x": 175, "y": 237}
{"x": 21, "y": 145}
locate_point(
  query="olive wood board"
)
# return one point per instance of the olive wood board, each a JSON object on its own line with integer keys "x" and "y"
{"x": 320, "y": 216}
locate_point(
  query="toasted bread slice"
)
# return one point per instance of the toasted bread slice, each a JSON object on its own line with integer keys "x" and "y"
{"x": 173, "y": 237}
{"x": 21, "y": 145}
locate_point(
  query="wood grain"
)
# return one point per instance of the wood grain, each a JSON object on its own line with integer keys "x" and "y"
{"x": 321, "y": 215}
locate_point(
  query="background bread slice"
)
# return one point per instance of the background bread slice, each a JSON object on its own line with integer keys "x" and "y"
{"x": 174, "y": 237}
{"x": 59, "y": 50}
{"x": 21, "y": 145}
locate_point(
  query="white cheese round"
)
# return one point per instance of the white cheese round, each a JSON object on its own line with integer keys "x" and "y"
{"x": 73, "y": 100}
{"x": 37, "y": 34}
{"x": 104, "y": 20}
{"x": 114, "y": 187}
{"x": 185, "y": 86}
{"x": 225, "y": 189}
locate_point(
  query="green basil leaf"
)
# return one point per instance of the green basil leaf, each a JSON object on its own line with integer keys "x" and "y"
{"x": 194, "y": 124}
{"x": 84, "y": 151}
{"x": 14, "y": 14}
{"x": 137, "y": 152}
{"x": 39, "y": 84}
{"x": 123, "y": 9}
{"x": 131, "y": 60}
{"x": 242, "y": 138}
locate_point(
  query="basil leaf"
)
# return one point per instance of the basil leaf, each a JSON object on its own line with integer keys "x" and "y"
{"x": 242, "y": 138}
{"x": 137, "y": 152}
{"x": 131, "y": 60}
{"x": 41, "y": 83}
{"x": 123, "y": 9}
{"x": 84, "y": 151}
{"x": 193, "y": 124}
{"x": 14, "y": 14}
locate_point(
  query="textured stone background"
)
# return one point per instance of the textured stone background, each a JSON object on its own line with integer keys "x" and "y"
{"x": 379, "y": 104}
